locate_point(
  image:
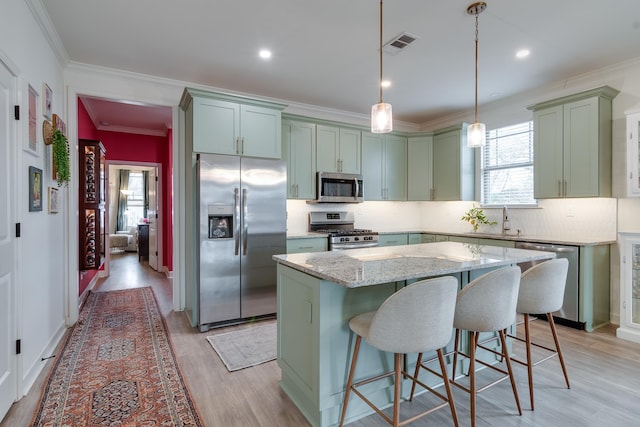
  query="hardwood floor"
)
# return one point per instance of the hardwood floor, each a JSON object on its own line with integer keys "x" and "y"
{"x": 604, "y": 373}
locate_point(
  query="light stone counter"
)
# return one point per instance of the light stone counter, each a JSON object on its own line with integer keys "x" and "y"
{"x": 363, "y": 267}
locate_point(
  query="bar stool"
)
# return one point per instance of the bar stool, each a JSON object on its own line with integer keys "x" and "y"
{"x": 417, "y": 318}
{"x": 542, "y": 292}
{"x": 486, "y": 304}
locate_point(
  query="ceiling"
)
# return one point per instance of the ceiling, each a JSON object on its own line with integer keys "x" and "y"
{"x": 325, "y": 53}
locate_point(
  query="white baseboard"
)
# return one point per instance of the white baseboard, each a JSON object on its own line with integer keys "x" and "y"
{"x": 628, "y": 334}
{"x": 31, "y": 375}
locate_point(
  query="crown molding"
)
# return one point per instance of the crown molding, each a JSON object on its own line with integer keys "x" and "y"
{"x": 39, "y": 13}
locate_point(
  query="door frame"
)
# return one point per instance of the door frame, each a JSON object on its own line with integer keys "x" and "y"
{"x": 160, "y": 220}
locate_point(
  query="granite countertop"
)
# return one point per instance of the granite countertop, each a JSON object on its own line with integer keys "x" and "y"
{"x": 579, "y": 241}
{"x": 557, "y": 240}
{"x": 371, "y": 266}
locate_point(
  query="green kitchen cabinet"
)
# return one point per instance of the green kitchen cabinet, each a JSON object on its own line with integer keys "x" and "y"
{"x": 453, "y": 165}
{"x": 307, "y": 244}
{"x": 384, "y": 166}
{"x": 415, "y": 238}
{"x": 299, "y": 150}
{"x": 572, "y": 145}
{"x": 338, "y": 149}
{"x": 419, "y": 167}
{"x": 225, "y": 124}
{"x": 395, "y": 239}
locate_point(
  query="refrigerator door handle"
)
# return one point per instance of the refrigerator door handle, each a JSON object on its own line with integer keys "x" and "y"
{"x": 236, "y": 213}
{"x": 245, "y": 226}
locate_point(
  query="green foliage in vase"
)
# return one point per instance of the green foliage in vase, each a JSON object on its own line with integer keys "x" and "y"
{"x": 61, "y": 158}
{"x": 475, "y": 216}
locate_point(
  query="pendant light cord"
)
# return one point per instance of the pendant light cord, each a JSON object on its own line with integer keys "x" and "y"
{"x": 380, "y": 81}
{"x": 476, "y": 109}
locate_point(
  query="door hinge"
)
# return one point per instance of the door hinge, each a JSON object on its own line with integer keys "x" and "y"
{"x": 16, "y": 112}
{"x": 18, "y": 345}
{"x": 156, "y": 253}
{"x": 156, "y": 216}
{"x": 17, "y": 229}
{"x": 156, "y": 179}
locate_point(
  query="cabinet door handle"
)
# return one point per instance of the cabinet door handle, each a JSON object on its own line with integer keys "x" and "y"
{"x": 242, "y": 145}
{"x": 559, "y": 188}
{"x": 565, "y": 187}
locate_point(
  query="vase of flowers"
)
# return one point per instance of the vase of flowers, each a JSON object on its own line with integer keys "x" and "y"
{"x": 476, "y": 216}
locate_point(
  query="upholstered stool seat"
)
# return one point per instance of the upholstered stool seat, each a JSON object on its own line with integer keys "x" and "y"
{"x": 486, "y": 304}
{"x": 417, "y": 318}
{"x": 542, "y": 292}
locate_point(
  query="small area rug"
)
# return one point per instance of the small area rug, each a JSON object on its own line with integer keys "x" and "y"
{"x": 117, "y": 368}
{"x": 246, "y": 347}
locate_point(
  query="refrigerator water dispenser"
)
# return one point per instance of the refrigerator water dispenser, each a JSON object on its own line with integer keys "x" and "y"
{"x": 220, "y": 221}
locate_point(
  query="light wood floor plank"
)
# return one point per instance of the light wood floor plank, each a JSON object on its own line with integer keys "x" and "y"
{"x": 604, "y": 372}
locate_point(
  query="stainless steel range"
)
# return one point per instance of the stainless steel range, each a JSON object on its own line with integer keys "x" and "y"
{"x": 340, "y": 228}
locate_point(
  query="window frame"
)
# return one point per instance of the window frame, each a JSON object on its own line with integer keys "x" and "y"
{"x": 484, "y": 171}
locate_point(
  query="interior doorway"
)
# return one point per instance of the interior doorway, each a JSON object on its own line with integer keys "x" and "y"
{"x": 133, "y": 212}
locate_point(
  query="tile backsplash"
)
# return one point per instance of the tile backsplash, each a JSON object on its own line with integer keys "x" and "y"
{"x": 559, "y": 218}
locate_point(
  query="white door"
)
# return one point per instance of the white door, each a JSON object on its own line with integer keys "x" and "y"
{"x": 8, "y": 304}
{"x": 152, "y": 214}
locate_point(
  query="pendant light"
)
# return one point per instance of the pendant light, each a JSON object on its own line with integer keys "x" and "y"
{"x": 381, "y": 116}
{"x": 476, "y": 133}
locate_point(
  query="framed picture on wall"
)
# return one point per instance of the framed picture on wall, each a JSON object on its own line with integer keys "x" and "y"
{"x": 31, "y": 144}
{"x": 47, "y": 100}
{"x": 35, "y": 189}
{"x": 53, "y": 200}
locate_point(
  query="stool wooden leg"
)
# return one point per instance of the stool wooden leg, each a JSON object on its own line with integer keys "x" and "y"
{"x": 472, "y": 376}
{"x": 455, "y": 355}
{"x": 527, "y": 336}
{"x": 505, "y": 351}
{"x": 552, "y": 325}
{"x": 415, "y": 375}
{"x": 397, "y": 389}
{"x": 352, "y": 369}
{"x": 447, "y": 387}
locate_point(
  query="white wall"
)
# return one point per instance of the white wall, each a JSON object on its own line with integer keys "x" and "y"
{"x": 41, "y": 249}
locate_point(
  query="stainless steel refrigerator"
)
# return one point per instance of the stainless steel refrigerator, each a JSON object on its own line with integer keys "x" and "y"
{"x": 242, "y": 209}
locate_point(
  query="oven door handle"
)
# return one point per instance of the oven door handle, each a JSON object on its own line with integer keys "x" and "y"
{"x": 343, "y": 246}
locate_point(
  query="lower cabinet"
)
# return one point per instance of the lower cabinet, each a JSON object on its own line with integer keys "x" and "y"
{"x": 393, "y": 239}
{"x": 311, "y": 244}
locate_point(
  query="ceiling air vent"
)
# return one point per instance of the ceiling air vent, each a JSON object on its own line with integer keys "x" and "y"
{"x": 398, "y": 43}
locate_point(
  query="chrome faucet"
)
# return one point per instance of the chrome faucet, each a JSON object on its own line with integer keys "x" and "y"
{"x": 506, "y": 224}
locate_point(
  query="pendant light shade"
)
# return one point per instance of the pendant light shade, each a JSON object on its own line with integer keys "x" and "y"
{"x": 476, "y": 133}
{"x": 381, "y": 116}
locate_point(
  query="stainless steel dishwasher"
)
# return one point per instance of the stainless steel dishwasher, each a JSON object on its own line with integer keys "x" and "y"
{"x": 568, "y": 314}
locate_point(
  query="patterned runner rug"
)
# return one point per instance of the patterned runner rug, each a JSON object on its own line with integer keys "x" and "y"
{"x": 117, "y": 368}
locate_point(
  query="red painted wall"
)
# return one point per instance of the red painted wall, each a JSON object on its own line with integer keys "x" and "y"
{"x": 139, "y": 148}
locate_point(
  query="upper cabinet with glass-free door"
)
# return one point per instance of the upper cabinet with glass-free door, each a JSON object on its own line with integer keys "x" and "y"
{"x": 299, "y": 150}
{"x": 225, "y": 124}
{"x": 572, "y": 145}
{"x": 338, "y": 149}
{"x": 384, "y": 166}
{"x": 453, "y": 165}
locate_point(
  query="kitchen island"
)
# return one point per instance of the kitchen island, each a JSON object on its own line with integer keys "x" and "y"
{"x": 319, "y": 292}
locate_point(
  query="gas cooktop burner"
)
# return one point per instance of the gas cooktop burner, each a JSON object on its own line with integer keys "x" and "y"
{"x": 345, "y": 232}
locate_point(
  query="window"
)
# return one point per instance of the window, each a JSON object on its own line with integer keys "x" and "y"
{"x": 135, "y": 200}
{"x": 507, "y": 166}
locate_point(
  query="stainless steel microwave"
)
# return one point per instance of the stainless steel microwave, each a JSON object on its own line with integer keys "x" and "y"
{"x": 339, "y": 188}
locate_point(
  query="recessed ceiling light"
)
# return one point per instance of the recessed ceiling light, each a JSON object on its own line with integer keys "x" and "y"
{"x": 265, "y": 54}
{"x": 522, "y": 53}
{"x": 385, "y": 83}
